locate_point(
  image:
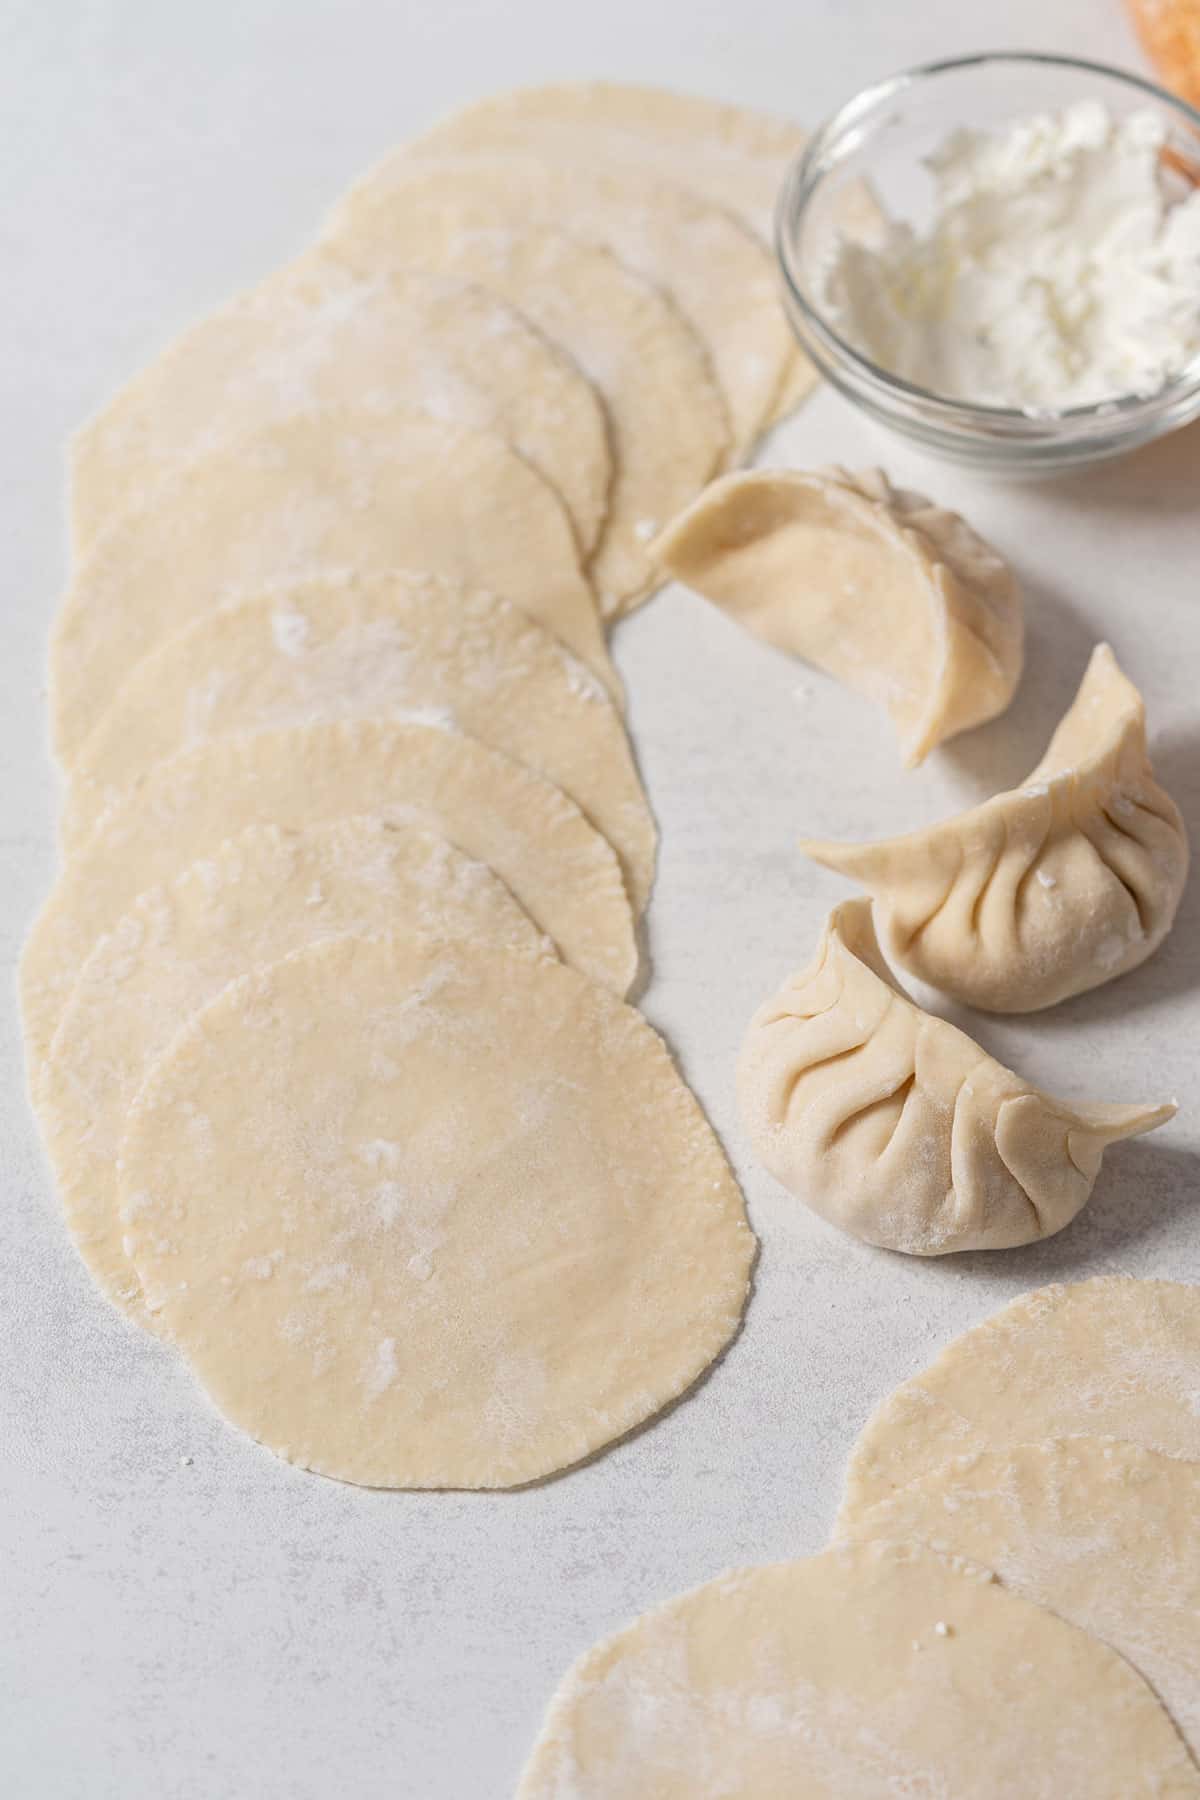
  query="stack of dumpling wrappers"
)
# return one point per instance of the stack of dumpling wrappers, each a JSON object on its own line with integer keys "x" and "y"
{"x": 355, "y": 847}
{"x": 1010, "y": 1603}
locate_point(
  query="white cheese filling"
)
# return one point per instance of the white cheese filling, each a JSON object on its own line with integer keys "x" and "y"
{"x": 1061, "y": 268}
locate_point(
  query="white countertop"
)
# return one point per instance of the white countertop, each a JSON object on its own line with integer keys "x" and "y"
{"x": 229, "y": 1627}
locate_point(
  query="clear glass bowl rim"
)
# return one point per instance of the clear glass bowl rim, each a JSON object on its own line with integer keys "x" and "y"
{"x": 808, "y": 170}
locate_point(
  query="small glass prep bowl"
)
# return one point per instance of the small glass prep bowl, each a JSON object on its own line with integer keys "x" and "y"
{"x": 874, "y": 148}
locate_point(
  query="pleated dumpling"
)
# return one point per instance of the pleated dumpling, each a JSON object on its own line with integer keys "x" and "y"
{"x": 896, "y": 1126}
{"x": 879, "y": 587}
{"x": 1045, "y": 891}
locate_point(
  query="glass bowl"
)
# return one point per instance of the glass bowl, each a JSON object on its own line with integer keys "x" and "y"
{"x": 874, "y": 149}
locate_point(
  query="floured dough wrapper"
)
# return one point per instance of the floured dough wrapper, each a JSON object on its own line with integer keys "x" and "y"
{"x": 895, "y": 1125}
{"x": 719, "y": 275}
{"x": 463, "y": 1234}
{"x": 872, "y": 1671}
{"x": 887, "y": 592}
{"x": 313, "y": 335}
{"x": 1102, "y": 1532}
{"x": 1113, "y": 1357}
{"x": 734, "y": 156}
{"x": 376, "y": 646}
{"x": 327, "y": 491}
{"x": 250, "y": 902}
{"x": 667, "y": 423}
{"x": 562, "y": 871}
{"x": 1048, "y": 890}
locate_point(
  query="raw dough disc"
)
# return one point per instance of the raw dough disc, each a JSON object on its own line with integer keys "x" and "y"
{"x": 375, "y": 646}
{"x": 315, "y": 335}
{"x": 560, "y": 869}
{"x": 465, "y": 1230}
{"x": 830, "y": 1678}
{"x": 1113, "y": 1356}
{"x": 255, "y": 899}
{"x": 1102, "y": 1532}
{"x": 719, "y": 275}
{"x": 332, "y": 490}
{"x": 732, "y": 156}
{"x": 666, "y": 416}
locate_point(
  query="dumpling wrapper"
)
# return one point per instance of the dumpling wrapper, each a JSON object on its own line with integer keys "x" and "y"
{"x": 374, "y": 646}
{"x": 1045, "y": 891}
{"x": 871, "y": 1671}
{"x": 897, "y": 1127}
{"x": 313, "y": 334}
{"x": 1102, "y": 1532}
{"x": 495, "y": 810}
{"x": 716, "y": 272}
{"x": 669, "y": 432}
{"x": 321, "y": 492}
{"x": 735, "y": 157}
{"x": 1113, "y": 1356}
{"x": 461, "y": 1232}
{"x": 251, "y": 901}
{"x": 886, "y": 592}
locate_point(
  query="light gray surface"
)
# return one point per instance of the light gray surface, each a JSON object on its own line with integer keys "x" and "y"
{"x": 229, "y": 1627}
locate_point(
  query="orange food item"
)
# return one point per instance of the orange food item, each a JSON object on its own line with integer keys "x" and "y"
{"x": 1170, "y": 33}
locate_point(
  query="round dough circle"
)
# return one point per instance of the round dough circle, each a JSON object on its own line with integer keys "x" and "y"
{"x": 721, "y": 278}
{"x": 314, "y": 335}
{"x": 830, "y": 1678}
{"x": 733, "y": 155}
{"x": 560, "y": 869}
{"x": 666, "y": 416}
{"x": 1112, "y": 1357}
{"x": 468, "y": 1226}
{"x": 332, "y": 490}
{"x": 255, "y": 899}
{"x": 374, "y": 646}
{"x": 1101, "y": 1532}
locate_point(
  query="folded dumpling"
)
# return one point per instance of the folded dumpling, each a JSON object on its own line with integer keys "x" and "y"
{"x": 1045, "y": 891}
{"x": 896, "y": 1126}
{"x": 879, "y": 587}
